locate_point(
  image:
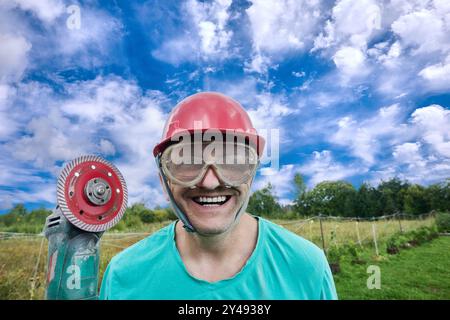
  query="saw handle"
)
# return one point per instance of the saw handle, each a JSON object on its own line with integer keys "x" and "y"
{"x": 73, "y": 260}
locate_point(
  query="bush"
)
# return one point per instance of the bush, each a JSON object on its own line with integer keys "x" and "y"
{"x": 133, "y": 222}
{"x": 120, "y": 226}
{"x": 392, "y": 246}
{"x": 423, "y": 234}
{"x": 355, "y": 252}
{"x": 334, "y": 255}
{"x": 443, "y": 221}
{"x": 410, "y": 239}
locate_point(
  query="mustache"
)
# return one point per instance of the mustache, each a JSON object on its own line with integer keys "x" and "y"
{"x": 208, "y": 192}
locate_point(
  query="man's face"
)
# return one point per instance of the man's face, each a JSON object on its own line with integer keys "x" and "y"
{"x": 210, "y": 219}
{"x": 211, "y": 207}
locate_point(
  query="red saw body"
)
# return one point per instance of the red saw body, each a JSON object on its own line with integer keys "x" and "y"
{"x": 92, "y": 193}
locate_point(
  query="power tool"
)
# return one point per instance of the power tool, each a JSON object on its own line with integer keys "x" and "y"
{"x": 91, "y": 198}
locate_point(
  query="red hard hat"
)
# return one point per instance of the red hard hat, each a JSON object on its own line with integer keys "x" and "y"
{"x": 216, "y": 112}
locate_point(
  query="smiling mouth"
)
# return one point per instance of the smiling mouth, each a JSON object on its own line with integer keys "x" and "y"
{"x": 211, "y": 201}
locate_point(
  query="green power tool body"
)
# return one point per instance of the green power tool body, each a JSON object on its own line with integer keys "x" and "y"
{"x": 91, "y": 198}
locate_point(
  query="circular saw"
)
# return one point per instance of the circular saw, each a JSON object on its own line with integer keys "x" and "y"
{"x": 91, "y": 198}
{"x": 92, "y": 193}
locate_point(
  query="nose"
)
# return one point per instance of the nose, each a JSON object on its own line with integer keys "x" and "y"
{"x": 210, "y": 180}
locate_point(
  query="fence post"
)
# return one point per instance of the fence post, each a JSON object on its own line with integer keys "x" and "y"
{"x": 357, "y": 234}
{"x": 321, "y": 234}
{"x": 375, "y": 238}
{"x": 399, "y": 222}
{"x": 335, "y": 234}
{"x": 310, "y": 230}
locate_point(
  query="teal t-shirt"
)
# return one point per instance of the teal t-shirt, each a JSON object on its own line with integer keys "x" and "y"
{"x": 282, "y": 266}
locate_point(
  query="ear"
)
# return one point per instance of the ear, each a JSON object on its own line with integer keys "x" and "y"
{"x": 164, "y": 189}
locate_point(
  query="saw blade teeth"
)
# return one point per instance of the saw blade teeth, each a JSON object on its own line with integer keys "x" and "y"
{"x": 61, "y": 193}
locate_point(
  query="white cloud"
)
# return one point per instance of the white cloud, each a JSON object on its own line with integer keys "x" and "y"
{"x": 22, "y": 184}
{"x": 259, "y": 63}
{"x": 346, "y": 34}
{"x": 280, "y": 27}
{"x": 424, "y": 30}
{"x": 269, "y": 111}
{"x": 13, "y": 57}
{"x": 210, "y": 20}
{"x": 91, "y": 44}
{"x": 414, "y": 38}
{"x": 418, "y": 169}
{"x": 45, "y": 10}
{"x": 385, "y": 54}
{"x": 350, "y": 61}
{"x": 298, "y": 74}
{"x": 365, "y": 138}
{"x": 433, "y": 123}
{"x": 353, "y": 23}
{"x": 205, "y": 37}
{"x": 420, "y": 47}
{"x": 48, "y": 41}
{"x": 8, "y": 126}
{"x": 46, "y": 141}
{"x": 437, "y": 75}
{"x": 409, "y": 153}
{"x": 426, "y": 159}
{"x": 282, "y": 181}
{"x": 106, "y": 147}
{"x": 283, "y": 25}
{"x": 176, "y": 51}
{"x": 323, "y": 167}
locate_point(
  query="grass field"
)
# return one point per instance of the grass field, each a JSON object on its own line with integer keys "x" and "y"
{"x": 417, "y": 273}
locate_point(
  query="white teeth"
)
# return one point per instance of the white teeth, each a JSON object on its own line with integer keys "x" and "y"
{"x": 211, "y": 199}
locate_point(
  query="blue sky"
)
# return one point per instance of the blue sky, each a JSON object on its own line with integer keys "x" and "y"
{"x": 358, "y": 89}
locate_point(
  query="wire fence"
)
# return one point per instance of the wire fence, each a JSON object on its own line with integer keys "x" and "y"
{"x": 321, "y": 229}
{"x": 327, "y": 231}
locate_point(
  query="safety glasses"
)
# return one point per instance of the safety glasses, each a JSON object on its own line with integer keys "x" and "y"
{"x": 186, "y": 163}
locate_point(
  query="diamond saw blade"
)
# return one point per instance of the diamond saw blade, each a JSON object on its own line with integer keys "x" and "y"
{"x": 92, "y": 193}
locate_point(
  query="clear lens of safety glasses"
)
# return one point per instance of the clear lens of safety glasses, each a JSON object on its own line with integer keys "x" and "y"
{"x": 234, "y": 163}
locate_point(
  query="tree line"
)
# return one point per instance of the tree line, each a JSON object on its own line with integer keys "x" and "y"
{"x": 19, "y": 219}
{"x": 341, "y": 198}
{"x": 333, "y": 198}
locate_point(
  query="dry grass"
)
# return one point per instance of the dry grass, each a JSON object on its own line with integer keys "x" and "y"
{"x": 345, "y": 231}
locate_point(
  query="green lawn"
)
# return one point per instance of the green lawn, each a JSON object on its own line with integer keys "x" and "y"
{"x": 417, "y": 273}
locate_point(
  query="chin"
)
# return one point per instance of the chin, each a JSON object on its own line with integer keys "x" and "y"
{"x": 212, "y": 224}
{"x": 212, "y": 230}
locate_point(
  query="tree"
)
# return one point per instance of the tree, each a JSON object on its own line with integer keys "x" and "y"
{"x": 14, "y": 215}
{"x": 136, "y": 214}
{"x": 367, "y": 201}
{"x": 438, "y": 196}
{"x": 334, "y": 198}
{"x": 392, "y": 194}
{"x": 264, "y": 203}
{"x": 415, "y": 200}
{"x": 300, "y": 193}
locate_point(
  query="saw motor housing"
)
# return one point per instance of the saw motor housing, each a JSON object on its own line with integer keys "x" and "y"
{"x": 91, "y": 198}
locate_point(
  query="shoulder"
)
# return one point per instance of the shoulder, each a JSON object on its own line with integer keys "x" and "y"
{"x": 147, "y": 250}
{"x": 297, "y": 249}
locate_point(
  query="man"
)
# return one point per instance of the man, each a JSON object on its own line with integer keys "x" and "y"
{"x": 207, "y": 160}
